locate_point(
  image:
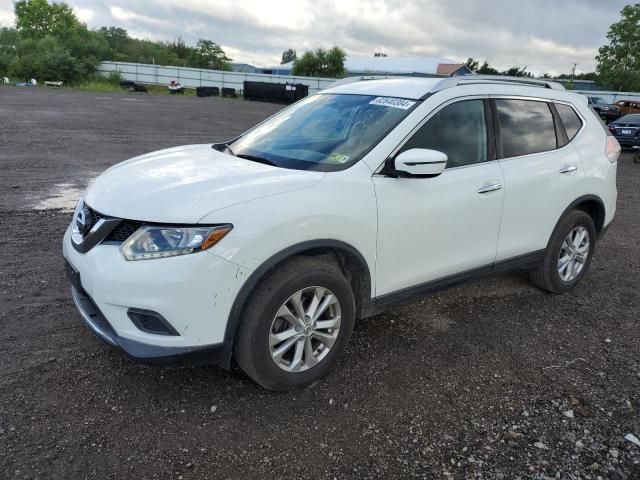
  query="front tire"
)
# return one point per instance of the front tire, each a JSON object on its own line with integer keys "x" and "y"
{"x": 568, "y": 254}
{"x": 296, "y": 324}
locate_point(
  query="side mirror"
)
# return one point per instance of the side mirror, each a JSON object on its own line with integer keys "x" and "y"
{"x": 420, "y": 162}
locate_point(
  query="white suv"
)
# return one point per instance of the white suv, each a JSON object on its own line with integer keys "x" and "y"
{"x": 268, "y": 247}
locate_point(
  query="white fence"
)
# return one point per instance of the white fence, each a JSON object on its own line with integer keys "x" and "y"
{"x": 197, "y": 77}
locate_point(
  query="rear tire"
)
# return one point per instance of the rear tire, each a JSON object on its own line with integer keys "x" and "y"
{"x": 568, "y": 254}
{"x": 636, "y": 158}
{"x": 296, "y": 324}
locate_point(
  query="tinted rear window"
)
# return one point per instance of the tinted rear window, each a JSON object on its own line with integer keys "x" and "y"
{"x": 526, "y": 126}
{"x": 570, "y": 119}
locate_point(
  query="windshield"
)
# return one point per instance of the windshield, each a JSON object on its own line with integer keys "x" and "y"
{"x": 325, "y": 132}
{"x": 598, "y": 101}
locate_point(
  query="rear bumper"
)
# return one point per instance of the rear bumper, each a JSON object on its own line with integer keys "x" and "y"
{"x": 217, "y": 354}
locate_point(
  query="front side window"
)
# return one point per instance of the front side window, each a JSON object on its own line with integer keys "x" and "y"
{"x": 570, "y": 120}
{"x": 325, "y": 132}
{"x": 526, "y": 127}
{"x": 459, "y": 130}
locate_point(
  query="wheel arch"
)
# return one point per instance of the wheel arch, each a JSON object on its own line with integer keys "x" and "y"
{"x": 592, "y": 205}
{"x": 350, "y": 259}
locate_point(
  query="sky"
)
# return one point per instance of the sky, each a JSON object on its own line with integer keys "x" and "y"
{"x": 548, "y": 36}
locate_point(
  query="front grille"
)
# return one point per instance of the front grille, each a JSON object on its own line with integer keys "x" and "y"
{"x": 95, "y": 216}
{"x": 122, "y": 232}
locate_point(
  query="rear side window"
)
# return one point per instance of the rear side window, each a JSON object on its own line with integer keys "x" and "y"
{"x": 570, "y": 119}
{"x": 526, "y": 126}
{"x": 459, "y": 130}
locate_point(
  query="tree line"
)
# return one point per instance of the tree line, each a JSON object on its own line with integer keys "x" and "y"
{"x": 48, "y": 42}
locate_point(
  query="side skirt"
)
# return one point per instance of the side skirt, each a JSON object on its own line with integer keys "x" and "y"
{"x": 387, "y": 300}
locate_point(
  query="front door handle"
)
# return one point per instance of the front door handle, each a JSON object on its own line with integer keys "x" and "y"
{"x": 568, "y": 168}
{"x": 490, "y": 187}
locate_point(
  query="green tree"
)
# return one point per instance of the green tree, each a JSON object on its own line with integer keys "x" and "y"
{"x": 486, "y": 69}
{"x": 619, "y": 61}
{"x": 472, "y": 64}
{"x": 47, "y": 59}
{"x": 517, "y": 72}
{"x": 8, "y": 45}
{"x": 36, "y": 19}
{"x": 180, "y": 48}
{"x": 321, "y": 63}
{"x": 288, "y": 55}
{"x": 117, "y": 38}
{"x": 208, "y": 54}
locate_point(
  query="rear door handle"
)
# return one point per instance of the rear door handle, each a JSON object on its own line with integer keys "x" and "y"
{"x": 490, "y": 187}
{"x": 568, "y": 168}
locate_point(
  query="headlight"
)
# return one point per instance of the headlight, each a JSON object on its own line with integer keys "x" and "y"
{"x": 160, "y": 242}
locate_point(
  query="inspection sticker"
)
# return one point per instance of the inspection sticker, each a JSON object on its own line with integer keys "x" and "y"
{"x": 338, "y": 158}
{"x": 393, "y": 102}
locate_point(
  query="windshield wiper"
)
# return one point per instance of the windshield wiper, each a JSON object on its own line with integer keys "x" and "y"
{"x": 257, "y": 159}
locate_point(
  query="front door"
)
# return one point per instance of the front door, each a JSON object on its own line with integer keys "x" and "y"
{"x": 432, "y": 228}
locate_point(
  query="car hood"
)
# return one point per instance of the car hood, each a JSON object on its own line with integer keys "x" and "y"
{"x": 183, "y": 184}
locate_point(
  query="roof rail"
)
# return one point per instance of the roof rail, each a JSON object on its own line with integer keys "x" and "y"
{"x": 488, "y": 79}
{"x": 362, "y": 78}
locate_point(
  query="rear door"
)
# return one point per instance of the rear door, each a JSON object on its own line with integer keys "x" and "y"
{"x": 542, "y": 171}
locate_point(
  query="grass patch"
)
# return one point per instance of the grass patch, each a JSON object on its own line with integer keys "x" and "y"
{"x": 106, "y": 85}
{"x": 99, "y": 86}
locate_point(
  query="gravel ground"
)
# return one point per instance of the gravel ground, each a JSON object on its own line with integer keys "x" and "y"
{"x": 493, "y": 379}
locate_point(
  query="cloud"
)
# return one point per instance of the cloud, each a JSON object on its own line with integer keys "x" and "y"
{"x": 546, "y": 35}
{"x": 84, "y": 14}
{"x": 6, "y": 16}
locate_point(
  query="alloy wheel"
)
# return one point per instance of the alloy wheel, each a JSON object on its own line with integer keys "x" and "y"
{"x": 573, "y": 254}
{"x": 304, "y": 329}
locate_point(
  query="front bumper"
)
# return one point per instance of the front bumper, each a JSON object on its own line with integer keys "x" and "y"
{"x": 96, "y": 321}
{"x": 193, "y": 293}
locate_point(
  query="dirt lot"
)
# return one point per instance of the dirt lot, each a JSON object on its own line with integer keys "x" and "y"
{"x": 493, "y": 379}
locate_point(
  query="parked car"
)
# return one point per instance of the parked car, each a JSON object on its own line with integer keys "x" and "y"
{"x": 268, "y": 247}
{"x": 606, "y": 111}
{"x": 628, "y": 106}
{"x": 627, "y": 131}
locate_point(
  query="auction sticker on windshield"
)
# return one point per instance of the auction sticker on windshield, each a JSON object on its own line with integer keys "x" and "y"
{"x": 393, "y": 102}
{"x": 338, "y": 158}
